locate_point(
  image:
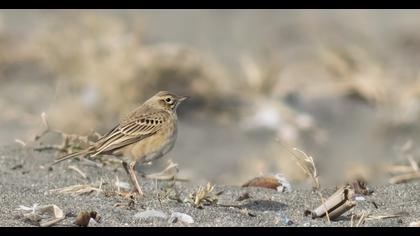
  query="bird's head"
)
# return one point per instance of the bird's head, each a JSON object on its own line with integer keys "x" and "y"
{"x": 167, "y": 100}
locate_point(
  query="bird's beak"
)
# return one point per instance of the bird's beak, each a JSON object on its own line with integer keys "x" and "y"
{"x": 183, "y": 98}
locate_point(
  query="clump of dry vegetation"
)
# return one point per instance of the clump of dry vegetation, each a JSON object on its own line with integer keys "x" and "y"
{"x": 405, "y": 173}
{"x": 266, "y": 107}
{"x": 356, "y": 74}
{"x": 104, "y": 63}
{"x": 203, "y": 196}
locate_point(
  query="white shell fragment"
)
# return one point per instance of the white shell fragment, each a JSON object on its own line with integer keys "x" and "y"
{"x": 177, "y": 216}
{"x": 360, "y": 198}
{"x": 148, "y": 214}
{"x": 45, "y": 216}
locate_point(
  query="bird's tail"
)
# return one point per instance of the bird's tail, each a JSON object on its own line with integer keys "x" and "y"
{"x": 71, "y": 155}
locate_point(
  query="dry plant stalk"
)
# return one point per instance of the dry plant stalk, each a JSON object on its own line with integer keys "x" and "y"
{"x": 413, "y": 163}
{"x": 405, "y": 178}
{"x": 366, "y": 216}
{"x": 307, "y": 164}
{"x": 398, "y": 169}
{"x": 78, "y": 189}
{"x": 75, "y": 168}
{"x": 385, "y": 216}
{"x": 362, "y": 218}
{"x": 70, "y": 142}
{"x": 20, "y": 142}
{"x": 336, "y": 204}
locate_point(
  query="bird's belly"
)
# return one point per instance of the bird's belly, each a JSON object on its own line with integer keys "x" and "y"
{"x": 153, "y": 147}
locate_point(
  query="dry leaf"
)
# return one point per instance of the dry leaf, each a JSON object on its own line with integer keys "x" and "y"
{"x": 277, "y": 182}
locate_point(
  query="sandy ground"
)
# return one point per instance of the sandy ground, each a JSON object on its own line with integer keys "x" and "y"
{"x": 25, "y": 180}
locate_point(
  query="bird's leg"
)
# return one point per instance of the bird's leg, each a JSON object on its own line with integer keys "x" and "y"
{"x": 129, "y": 168}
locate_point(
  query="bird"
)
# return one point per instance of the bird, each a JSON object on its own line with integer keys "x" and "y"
{"x": 142, "y": 136}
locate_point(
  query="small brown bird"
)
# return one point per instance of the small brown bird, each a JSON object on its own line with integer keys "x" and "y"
{"x": 147, "y": 133}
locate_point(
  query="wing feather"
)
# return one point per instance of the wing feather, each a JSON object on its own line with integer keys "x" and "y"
{"x": 137, "y": 127}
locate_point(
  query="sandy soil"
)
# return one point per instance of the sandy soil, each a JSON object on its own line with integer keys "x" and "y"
{"x": 25, "y": 179}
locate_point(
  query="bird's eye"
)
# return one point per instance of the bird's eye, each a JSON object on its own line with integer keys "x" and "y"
{"x": 168, "y": 100}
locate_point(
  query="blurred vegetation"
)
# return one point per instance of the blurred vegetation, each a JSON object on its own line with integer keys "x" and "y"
{"x": 96, "y": 67}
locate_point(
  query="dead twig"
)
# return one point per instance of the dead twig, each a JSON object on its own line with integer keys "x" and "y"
{"x": 20, "y": 142}
{"x": 75, "y": 168}
{"x": 405, "y": 178}
{"x": 70, "y": 142}
{"x": 362, "y": 218}
{"x": 398, "y": 169}
{"x": 336, "y": 204}
{"x": 366, "y": 216}
{"x": 323, "y": 204}
{"x": 385, "y": 216}
{"x": 413, "y": 163}
{"x": 78, "y": 189}
{"x": 230, "y": 205}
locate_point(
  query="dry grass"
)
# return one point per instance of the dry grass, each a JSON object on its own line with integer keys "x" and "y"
{"x": 367, "y": 216}
{"x": 307, "y": 165}
{"x": 405, "y": 173}
{"x": 78, "y": 189}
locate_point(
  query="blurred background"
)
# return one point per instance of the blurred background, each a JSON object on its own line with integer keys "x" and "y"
{"x": 342, "y": 85}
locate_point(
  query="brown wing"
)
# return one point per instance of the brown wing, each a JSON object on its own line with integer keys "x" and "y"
{"x": 136, "y": 127}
